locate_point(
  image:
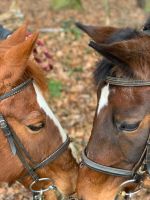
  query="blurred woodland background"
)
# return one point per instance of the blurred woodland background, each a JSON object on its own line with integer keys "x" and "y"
{"x": 66, "y": 59}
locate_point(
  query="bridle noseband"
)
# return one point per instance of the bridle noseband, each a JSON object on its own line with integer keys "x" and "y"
{"x": 16, "y": 146}
{"x": 144, "y": 162}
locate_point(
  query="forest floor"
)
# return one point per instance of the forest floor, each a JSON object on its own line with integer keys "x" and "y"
{"x": 74, "y": 99}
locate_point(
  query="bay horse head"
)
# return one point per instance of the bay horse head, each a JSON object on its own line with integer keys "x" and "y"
{"x": 33, "y": 143}
{"x": 118, "y": 148}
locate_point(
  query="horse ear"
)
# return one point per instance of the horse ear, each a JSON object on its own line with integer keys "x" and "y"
{"x": 97, "y": 33}
{"x": 15, "y": 59}
{"x": 18, "y": 36}
{"x": 119, "y": 53}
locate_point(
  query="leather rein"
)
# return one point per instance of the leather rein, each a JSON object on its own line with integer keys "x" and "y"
{"x": 16, "y": 146}
{"x": 143, "y": 165}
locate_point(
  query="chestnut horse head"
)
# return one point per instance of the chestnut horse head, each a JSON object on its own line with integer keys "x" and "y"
{"x": 33, "y": 143}
{"x": 118, "y": 146}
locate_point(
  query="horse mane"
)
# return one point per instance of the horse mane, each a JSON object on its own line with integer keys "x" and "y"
{"x": 104, "y": 67}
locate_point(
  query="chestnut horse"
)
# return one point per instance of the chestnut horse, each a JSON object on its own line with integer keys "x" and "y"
{"x": 118, "y": 149}
{"x": 33, "y": 143}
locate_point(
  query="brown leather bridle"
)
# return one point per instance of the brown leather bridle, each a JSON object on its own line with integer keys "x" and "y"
{"x": 16, "y": 146}
{"x": 143, "y": 164}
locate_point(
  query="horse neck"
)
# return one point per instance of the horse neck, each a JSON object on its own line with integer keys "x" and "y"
{"x": 98, "y": 185}
{"x": 109, "y": 186}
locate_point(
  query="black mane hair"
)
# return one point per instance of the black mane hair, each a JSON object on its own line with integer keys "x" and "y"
{"x": 104, "y": 67}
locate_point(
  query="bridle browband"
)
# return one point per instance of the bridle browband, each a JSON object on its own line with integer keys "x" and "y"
{"x": 144, "y": 161}
{"x": 126, "y": 82}
{"x": 16, "y": 146}
{"x": 16, "y": 89}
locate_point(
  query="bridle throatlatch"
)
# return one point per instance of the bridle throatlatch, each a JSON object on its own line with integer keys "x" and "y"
{"x": 17, "y": 148}
{"x": 141, "y": 168}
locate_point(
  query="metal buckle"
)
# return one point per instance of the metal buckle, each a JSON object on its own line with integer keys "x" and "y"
{"x": 38, "y": 194}
{"x": 3, "y": 124}
{"x": 141, "y": 171}
{"x": 121, "y": 191}
{"x": 81, "y": 164}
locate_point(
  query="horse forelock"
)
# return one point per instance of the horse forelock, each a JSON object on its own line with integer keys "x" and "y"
{"x": 34, "y": 71}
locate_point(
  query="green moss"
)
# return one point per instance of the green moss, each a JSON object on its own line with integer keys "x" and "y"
{"x": 55, "y": 88}
{"x": 61, "y": 4}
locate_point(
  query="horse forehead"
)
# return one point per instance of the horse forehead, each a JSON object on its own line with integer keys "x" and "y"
{"x": 23, "y": 103}
{"x": 103, "y": 99}
{"x": 127, "y": 95}
{"x": 121, "y": 98}
{"x": 112, "y": 94}
{"x": 122, "y": 95}
{"x": 129, "y": 102}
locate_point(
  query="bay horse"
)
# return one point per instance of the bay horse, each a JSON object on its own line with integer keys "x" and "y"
{"x": 117, "y": 156}
{"x": 33, "y": 145}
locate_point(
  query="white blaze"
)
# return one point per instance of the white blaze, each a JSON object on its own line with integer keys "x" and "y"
{"x": 103, "y": 100}
{"x": 43, "y": 104}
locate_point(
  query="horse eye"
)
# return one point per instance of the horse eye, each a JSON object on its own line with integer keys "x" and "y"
{"x": 127, "y": 127}
{"x": 36, "y": 127}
